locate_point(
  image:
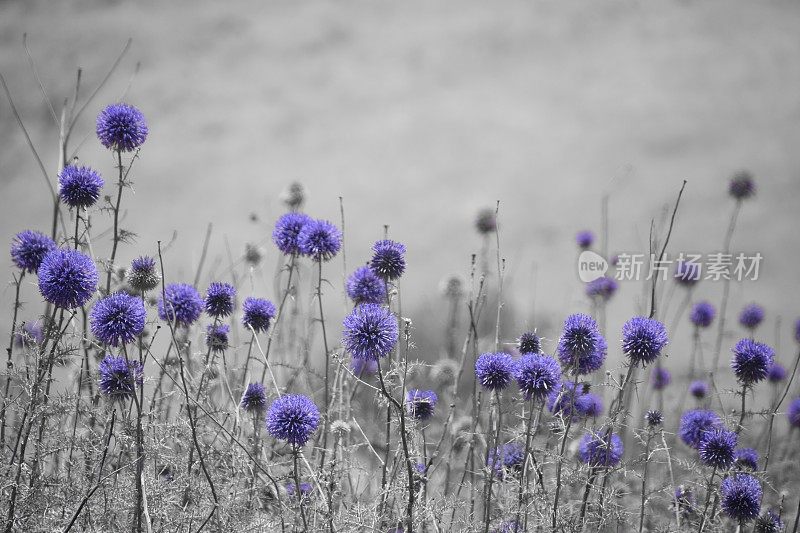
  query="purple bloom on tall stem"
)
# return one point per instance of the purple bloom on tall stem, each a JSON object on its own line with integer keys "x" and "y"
{"x": 702, "y": 314}
{"x": 584, "y": 239}
{"x": 388, "y": 260}
{"x": 183, "y": 304}
{"x": 597, "y": 449}
{"x": 494, "y": 371}
{"x": 751, "y": 316}
{"x": 320, "y": 240}
{"x": 602, "y": 288}
{"x": 79, "y": 186}
{"x": 660, "y": 378}
{"x": 698, "y": 389}
{"x": 257, "y": 313}
{"x": 219, "y": 299}
{"x": 363, "y": 367}
{"x": 742, "y": 186}
{"x": 142, "y": 276}
{"x": 293, "y": 418}
{"x": 118, "y": 318}
{"x": 776, "y": 373}
{"x": 420, "y": 404}
{"x": 287, "y": 231}
{"x": 643, "y": 339}
{"x": 254, "y": 398}
{"x": 747, "y": 458}
{"x": 537, "y": 375}
{"x": 365, "y": 287}
{"x": 119, "y": 377}
{"x": 121, "y": 127}
{"x": 751, "y": 361}
{"x": 581, "y": 347}
{"x": 717, "y": 448}
{"x": 589, "y": 405}
{"x": 29, "y": 248}
{"x": 793, "y": 413}
{"x": 370, "y": 332}
{"x": 506, "y": 458}
{"x": 217, "y": 337}
{"x": 654, "y": 418}
{"x": 529, "y": 342}
{"x": 570, "y": 399}
{"x": 695, "y": 424}
{"x": 741, "y": 497}
{"x": 67, "y": 278}
{"x": 769, "y": 522}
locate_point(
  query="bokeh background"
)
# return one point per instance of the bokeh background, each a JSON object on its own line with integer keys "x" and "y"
{"x": 418, "y": 114}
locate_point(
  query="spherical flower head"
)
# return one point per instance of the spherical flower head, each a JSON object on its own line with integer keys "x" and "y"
{"x": 29, "y": 248}
{"x": 741, "y": 497}
{"x": 702, "y": 314}
{"x": 320, "y": 240}
{"x": 79, "y": 186}
{"x": 365, "y": 287}
{"x": 654, "y": 418}
{"x": 67, "y": 278}
{"x": 581, "y": 347}
{"x": 29, "y": 333}
{"x": 687, "y": 273}
{"x": 388, "y": 259}
{"x": 494, "y": 371}
{"x": 769, "y": 522}
{"x": 717, "y": 448}
{"x": 589, "y": 405}
{"x": 660, "y": 378}
{"x": 742, "y": 185}
{"x": 695, "y": 424}
{"x": 257, "y": 313}
{"x": 118, "y": 318}
{"x": 287, "y": 230}
{"x": 293, "y": 418}
{"x": 529, "y": 342}
{"x": 584, "y": 239}
{"x": 602, "y": 288}
{"x": 306, "y": 489}
{"x": 685, "y": 500}
{"x": 217, "y": 337}
{"x": 569, "y": 399}
{"x": 537, "y": 375}
{"x": 698, "y": 389}
{"x": 751, "y": 316}
{"x": 793, "y": 413}
{"x": 420, "y": 404}
{"x": 598, "y": 449}
{"x": 183, "y": 304}
{"x": 219, "y": 299}
{"x": 364, "y": 367}
{"x": 121, "y": 127}
{"x": 486, "y": 221}
{"x": 746, "y": 458}
{"x": 370, "y": 332}
{"x": 643, "y": 339}
{"x": 507, "y": 458}
{"x": 776, "y": 373}
{"x": 142, "y": 276}
{"x": 294, "y": 196}
{"x": 751, "y": 361}
{"x": 254, "y": 398}
{"x": 119, "y": 377}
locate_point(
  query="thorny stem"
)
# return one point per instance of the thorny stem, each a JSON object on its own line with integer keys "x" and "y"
{"x": 562, "y": 447}
{"x": 496, "y": 461}
{"x": 708, "y": 499}
{"x": 9, "y": 362}
{"x": 297, "y": 491}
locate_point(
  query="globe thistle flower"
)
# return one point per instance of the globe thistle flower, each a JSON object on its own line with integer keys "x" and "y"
{"x": 287, "y": 230}
{"x": 742, "y": 185}
{"x": 695, "y": 424}
{"x": 685, "y": 500}
{"x": 741, "y": 497}
{"x": 702, "y": 314}
{"x": 602, "y": 288}
{"x": 29, "y": 333}
{"x": 569, "y": 399}
{"x": 698, "y": 389}
{"x": 643, "y": 339}
{"x": 119, "y": 377}
{"x": 486, "y": 221}
{"x": 537, "y": 375}
{"x": 306, "y": 490}
{"x": 769, "y": 522}
{"x": 751, "y": 361}
{"x": 746, "y": 458}
{"x": 506, "y": 458}
{"x": 600, "y": 450}
{"x": 219, "y": 299}
{"x": 776, "y": 373}
{"x": 388, "y": 260}
{"x": 293, "y": 418}
{"x": 793, "y": 413}
{"x": 142, "y": 276}
{"x": 589, "y": 405}
{"x": 365, "y": 287}
{"x": 364, "y": 367}
{"x": 254, "y": 398}
{"x": 660, "y": 378}
{"x": 294, "y": 196}
{"x": 717, "y": 448}
{"x": 121, "y": 127}
{"x": 508, "y": 526}
{"x": 370, "y": 332}
{"x": 494, "y": 371}
{"x": 687, "y": 273}
{"x": 751, "y": 316}
{"x": 420, "y": 404}
{"x": 320, "y": 240}
{"x": 67, "y": 278}
{"x": 581, "y": 348}
{"x": 29, "y": 248}
{"x": 584, "y": 239}
{"x": 654, "y": 418}
{"x": 257, "y": 313}
{"x": 117, "y": 319}
{"x": 217, "y": 337}
{"x": 79, "y": 187}
{"x": 183, "y": 304}
{"x": 529, "y": 342}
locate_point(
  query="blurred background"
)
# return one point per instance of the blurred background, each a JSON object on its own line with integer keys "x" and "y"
{"x": 418, "y": 114}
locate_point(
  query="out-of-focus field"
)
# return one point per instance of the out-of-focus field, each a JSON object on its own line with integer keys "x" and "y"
{"x": 418, "y": 114}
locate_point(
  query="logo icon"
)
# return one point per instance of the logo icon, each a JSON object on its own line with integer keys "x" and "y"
{"x": 591, "y": 266}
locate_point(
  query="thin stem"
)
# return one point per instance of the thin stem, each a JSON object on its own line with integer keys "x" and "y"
{"x": 297, "y": 491}
{"x": 9, "y": 362}
{"x": 726, "y": 287}
{"x": 120, "y": 186}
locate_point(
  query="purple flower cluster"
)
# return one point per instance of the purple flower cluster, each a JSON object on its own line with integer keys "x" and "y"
{"x": 599, "y": 449}
{"x": 741, "y": 497}
{"x": 751, "y": 316}
{"x": 537, "y": 375}
{"x": 219, "y": 299}
{"x": 217, "y": 337}
{"x": 717, "y": 448}
{"x": 602, "y": 288}
{"x": 695, "y": 424}
{"x": 142, "y": 275}
{"x": 254, "y": 398}
{"x": 660, "y": 378}
{"x": 584, "y": 239}
{"x": 388, "y": 260}
{"x": 687, "y": 273}
{"x": 529, "y": 342}
{"x": 119, "y": 377}
{"x": 751, "y": 361}
{"x": 287, "y": 232}
{"x": 79, "y": 187}
{"x": 702, "y": 314}
{"x": 320, "y": 240}
{"x": 420, "y": 404}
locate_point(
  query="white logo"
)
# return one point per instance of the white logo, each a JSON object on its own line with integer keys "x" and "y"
{"x": 591, "y": 266}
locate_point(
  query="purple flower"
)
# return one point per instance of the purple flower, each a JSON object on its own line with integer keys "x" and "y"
{"x": 746, "y": 458}
{"x": 529, "y": 342}
{"x": 421, "y": 403}
{"x": 769, "y": 522}
{"x": 254, "y": 398}
{"x": 698, "y": 389}
{"x": 751, "y": 316}
{"x": 365, "y": 287}
{"x": 142, "y": 276}
{"x": 287, "y": 230}
{"x": 370, "y": 332}
{"x": 660, "y": 378}
{"x": 581, "y": 348}
{"x": 306, "y": 489}
{"x": 67, "y": 278}
{"x": 751, "y": 361}
{"x": 776, "y": 372}
{"x": 717, "y": 448}
{"x": 79, "y": 186}
{"x": 494, "y": 371}
{"x": 257, "y": 313}
{"x": 183, "y": 304}
{"x": 793, "y": 413}
{"x": 687, "y": 273}
{"x": 217, "y": 337}
{"x": 602, "y": 288}
{"x": 118, "y": 318}
{"x": 29, "y": 333}
{"x": 589, "y": 405}
{"x": 741, "y": 497}
{"x": 506, "y": 458}
{"x": 654, "y": 418}
{"x": 537, "y": 375}
{"x": 293, "y": 418}
{"x": 320, "y": 240}
{"x": 685, "y": 500}
{"x": 121, "y": 127}
{"x": 364, "y": 367}
{"x": 388, "y": 260}
{"x": 600, "y": 449}
{"x": 29, "y": 248}
{"x": 742, "y": 185}
{"x": 585, "y": 239}
{"x": 570, "y": 399}
{"x": 695, "y": 424}
{"x": 118, "y": 377}
{"x": 643, "y": 339}
{"x": 486, "y": 221}
{"x": 702, "y": 314}
{"x": 219, "y": 299}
